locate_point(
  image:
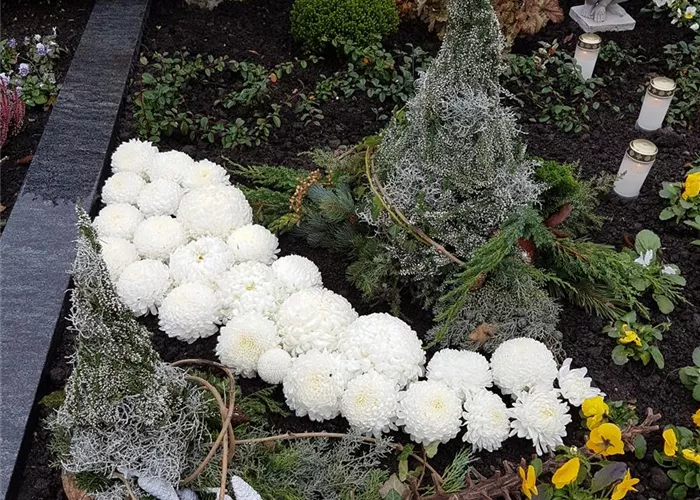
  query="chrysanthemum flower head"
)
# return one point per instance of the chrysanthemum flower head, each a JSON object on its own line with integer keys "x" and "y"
{"x": 249, "y": 287}
{"x": 134, "y": 156}
{"x": 430, "y": 411}
{"x": 160, "y": 197}
{"x": 205, "y": 173}
{"x": 123, "y": 187}
{"x": 203, "y": 261}
{"x": 118, "y": 220}
{"x": 370, "y": 403}
{"x": 142, "y": 285}
{"x": 243, "y": 340}
{"x": 190, "y": 312}
{"x": 117, "y": 254}
{"x": 463, "y": 371}
{"x": 523, "y": 363}
{"x": 486, "y": 417}
{"x": 297, "y": 273}
{"x": 574, "y": 385}
{"x": 254, "y": 243}
{"x": 273, "y": 365}
{"x": 314, "y": 385}
{"x": 214, "y": 211}
{"x": 157, "y": 237}
{"x": 539, "y": 415}
{"x": 170, "y": 165}
{"x": 385, "y": 344}
{"x": 313, "y": 319}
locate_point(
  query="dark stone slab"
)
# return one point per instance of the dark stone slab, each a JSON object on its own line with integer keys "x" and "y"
{"x": 37, "y": 247}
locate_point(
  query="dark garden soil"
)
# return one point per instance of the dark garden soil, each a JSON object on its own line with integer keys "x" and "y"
{"x": 22, "y": 18}
{"x": 259, "y": 30}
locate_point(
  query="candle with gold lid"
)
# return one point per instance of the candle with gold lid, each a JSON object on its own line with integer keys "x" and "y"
{"x": 635, "y": 166}
{"x": 657, "y": 100}
{"x": 586, "y": 54}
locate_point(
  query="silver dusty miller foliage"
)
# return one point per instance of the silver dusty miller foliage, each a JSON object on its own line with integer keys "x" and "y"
{"x": 455, "y": 167}
{"x": 125, "y": 410}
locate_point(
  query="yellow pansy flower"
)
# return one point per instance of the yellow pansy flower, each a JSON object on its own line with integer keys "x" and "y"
{"x": 567, "y": 473}
{"x": 670, "y": 443}
{"x": 606, "y": 439}
{"x": 630, "y": 337}
{"x": 691, "y": 456}
{"x": 624, "y": 487}
{"x": 528, "y": 487}
{"x": 594, "y": 409}
{"x": 696, "y": 418}
{"x": 691, "y": 186}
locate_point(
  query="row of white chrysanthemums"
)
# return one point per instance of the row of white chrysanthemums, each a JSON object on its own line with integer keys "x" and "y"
{"x": 179, "y": 242}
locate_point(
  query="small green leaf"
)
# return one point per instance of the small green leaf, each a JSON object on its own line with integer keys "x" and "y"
{"x": 647, "y": 240}
{"x": 619, "y": 355}
{"x": 696, "y": 392}
{"x": 640, "y": 447}
{"x": 537, "y": 464}
{"x": 403, "y": 469}
{"x": 664, "y": 304}
{"x": 658, "y": 357}
{"x": 432, "y": 449}
{"x": 676, "y": 475}
{"x": 696, "y": 356}
{"x": 667, "y": 213}
{"x": 608, "y": 475}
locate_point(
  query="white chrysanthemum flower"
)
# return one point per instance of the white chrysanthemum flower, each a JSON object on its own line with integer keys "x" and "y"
{"x": 157, "y": 237}
{"x": 214, "y": 211}
{"x": 522, "y": 363}
{"x": 253, "y": 243}
{"x": 190, "y": 312}
{"x": 383, "y": 343}
{"x": 273, "y": 365}
{"x": 370, "y": 403}
{"x": 143, "y": 284}
{"x": 117, "y": 254}
{"x": 205, "y": 173}
{"x": 242, "y": 490}
{"x": 134, "y": 156}
{"x": 574, "y": 385}
{"x": 313, "y": 319}
{"x": 462, "y": 371}
{"x": 123, "y": 187}
{"x": 249, "y": 287}
{"x": 170, "y": 165}
{"x": 297, "y": 272}
{"x": 314, "y": 384}
{"x": 204, "y": 261}
{"x": 160, "y": 197}
{"x": 539, "y": 415}
{"x": 118, "y": 221}
{"x": 243, "y": 340}
{"x": 486, "y": 418}
{"x": 430, "y": 411}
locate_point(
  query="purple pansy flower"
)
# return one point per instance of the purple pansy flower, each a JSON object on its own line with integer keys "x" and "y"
{"x": 23, "y": 69}
{"x": 12, "y": 43}
{"x": 41, "y": 49}
{"x": 4, "y": 79}
{"x": 18, "y": 91}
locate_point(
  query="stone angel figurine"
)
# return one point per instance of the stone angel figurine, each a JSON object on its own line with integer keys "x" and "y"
{"x": 599, "y": 9}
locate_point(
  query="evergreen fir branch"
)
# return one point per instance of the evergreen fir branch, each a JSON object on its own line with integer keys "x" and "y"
{"x": 454, "y": 477}
{"x": 274, "y": 177}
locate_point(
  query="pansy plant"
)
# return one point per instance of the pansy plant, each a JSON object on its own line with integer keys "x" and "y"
{"x": 681, "y": 459}
{"x": 636, "y": 340}
{"x": 684, "y": 200}
{"x": 690, "y": 375}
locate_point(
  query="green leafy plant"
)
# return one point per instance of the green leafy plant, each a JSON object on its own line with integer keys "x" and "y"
{"x": 315, "y": 22}
{"x": 690, "y": 375}
{"x": 683, "y": 63}
{"x": 681, "y": 458}
{"x": 684, "y": 200}
{"x": 636, "y": 340}
{"x": 549, "y": 83}
{"x": 684, "y": 13}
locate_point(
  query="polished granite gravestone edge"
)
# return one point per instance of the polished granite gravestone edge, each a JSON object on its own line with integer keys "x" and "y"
{"x": 37, "y": 246}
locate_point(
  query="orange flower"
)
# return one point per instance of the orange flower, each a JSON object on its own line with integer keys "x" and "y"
{"x": 624, "y": 487}
{"x": 670, "y": 443}
{"x": 567, "y": 473}
{"x": 528, "y": 487}
{"x": 606, "y": 440}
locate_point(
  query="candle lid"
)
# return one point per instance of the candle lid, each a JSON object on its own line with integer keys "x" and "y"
{"x": 642, "y": 150}
{"x": 589, "y": 41}
{"x": 661, "y": 86}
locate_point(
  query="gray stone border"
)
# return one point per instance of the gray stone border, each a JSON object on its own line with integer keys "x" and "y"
{"x": 37, "y": 246}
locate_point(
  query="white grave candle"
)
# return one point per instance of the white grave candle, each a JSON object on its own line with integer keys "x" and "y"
{"x": 634, "y": 168}
{"x": 586, "y": 54}
{"x": 657, "y": 99}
